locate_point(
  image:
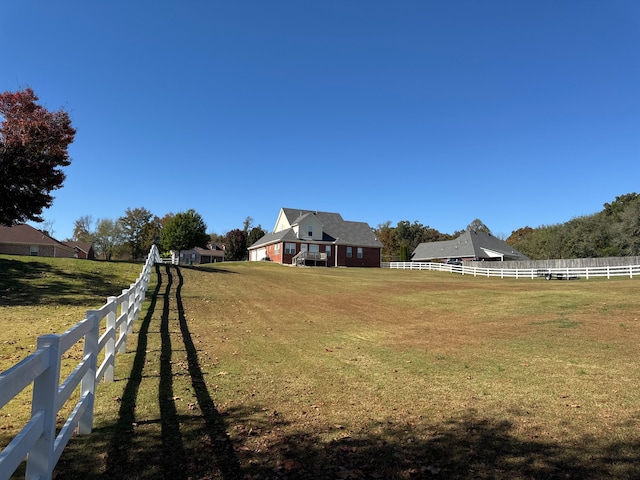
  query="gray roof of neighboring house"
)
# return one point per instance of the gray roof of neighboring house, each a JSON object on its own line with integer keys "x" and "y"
{"x": 470, "y": 244}
{"x": 335, "y": 230}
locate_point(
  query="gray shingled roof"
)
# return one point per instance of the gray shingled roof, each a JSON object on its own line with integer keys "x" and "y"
{"x": 470, "y": 244}
{"x": 335, "y": 230}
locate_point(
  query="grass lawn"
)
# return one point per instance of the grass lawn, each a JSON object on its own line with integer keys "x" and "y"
{"x": 255, "y": 370}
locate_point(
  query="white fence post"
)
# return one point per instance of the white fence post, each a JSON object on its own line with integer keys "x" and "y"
{"x": 131, "y": 303}
{"x": 88, "y": 385}
{"x": 112, "y": 335}
{"x": 124, "y": 310}
{"x": 122, "y": 333}
{"x": 40, "y": 462}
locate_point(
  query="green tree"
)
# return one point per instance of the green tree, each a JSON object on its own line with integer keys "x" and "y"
{"x": 518, "y": 236}
{"x": 236, "y": 245}
{"x": 627, "y": 231}
{"x": 413, "y": 234}
{"x": 152, "y": 233}
{"x": 83, "y": 229}
{"x": 386, "y": 235}
{"x": 478, "y": 226}
{"x": 216, "y": 238}
{"x": 616, "y": 207}
{"x": 247, "y": 224}
{"x": 183, "y": 231}
{"x": 134, "y": 224}
{"x": 255, "y": 234}
{"x": 405, "y": 254}
{"x": 33, "y": 148}
{"x": 107, "y": 237}
{"x": 408, "y": 235}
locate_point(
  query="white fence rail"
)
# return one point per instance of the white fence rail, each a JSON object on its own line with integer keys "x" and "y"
{"x": 549, "y": 273}
{"x": 38, "y": 440}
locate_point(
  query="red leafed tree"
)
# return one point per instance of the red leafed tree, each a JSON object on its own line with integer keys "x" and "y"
{"x": 33, "y": 148}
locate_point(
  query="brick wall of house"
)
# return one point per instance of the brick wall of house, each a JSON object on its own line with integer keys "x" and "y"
{"x": 271, "y": 252}
{"x": 14, "y": 249}
{"x": 43, "y": 251}
{"x": 370, "y": 257}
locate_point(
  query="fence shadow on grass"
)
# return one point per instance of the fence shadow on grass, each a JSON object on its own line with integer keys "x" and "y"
{"x": 216, "y": 452}
{"x": 464, "y": 448}
{"x": 207, "y": 268}
{"x": 134, "y": 449}
{"x": 120, "y": 452}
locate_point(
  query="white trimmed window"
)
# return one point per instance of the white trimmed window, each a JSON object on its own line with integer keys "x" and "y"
{"x": 290, "y": 248}
{"x": 276, "y": 249}
{"x": 359, "y": 252}
{"x": 327, "y": 249}
{"x": 349, "y": 252}
{"x": 314, "y": 248}
{"x": 34, "y": 250}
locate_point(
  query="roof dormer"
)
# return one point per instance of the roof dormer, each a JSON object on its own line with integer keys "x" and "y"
{"x": 308, "y": 227}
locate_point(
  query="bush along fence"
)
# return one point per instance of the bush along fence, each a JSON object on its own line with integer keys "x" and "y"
{"x": 558, "y": 273}
{"x": 38, "y": 441}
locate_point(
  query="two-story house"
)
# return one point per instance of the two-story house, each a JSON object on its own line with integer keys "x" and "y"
{"x": 306, "y": 237}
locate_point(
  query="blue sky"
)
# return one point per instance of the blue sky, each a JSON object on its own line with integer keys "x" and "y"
{"x": 516, "y": 113}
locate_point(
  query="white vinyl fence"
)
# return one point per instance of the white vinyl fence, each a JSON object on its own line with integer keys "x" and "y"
{"x": 549, "y": 273}
{"x": 38, "y": 440}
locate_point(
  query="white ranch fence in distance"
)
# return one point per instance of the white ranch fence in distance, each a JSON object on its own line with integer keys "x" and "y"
{"x": 38, "y": 441}
{"x": 557, "y": 273}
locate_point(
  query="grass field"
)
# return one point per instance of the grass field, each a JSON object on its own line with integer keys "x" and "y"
{"x": 254, "y": 370}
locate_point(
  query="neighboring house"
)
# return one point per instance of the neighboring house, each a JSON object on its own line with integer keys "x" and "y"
{"x": 82, "y": 249}
{"x": 305, "y": 237}
{"x": 212, "y": 254}
{"x": 23, "y": 239}
{"x": 471, "y": 245}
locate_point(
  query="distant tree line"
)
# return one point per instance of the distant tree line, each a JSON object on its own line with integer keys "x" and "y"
{"x": 130, "y": 236}
{"x": 399, "y": 242}
{"x": 613, "y": 232}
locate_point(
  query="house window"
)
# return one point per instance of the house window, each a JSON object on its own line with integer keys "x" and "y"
{"x": 276, "y": 249}
{"x": 349, "y": 252}
{"x": 310, "y": 231}
{"x": 314, "y": 248}
{"x": 359, "y": 252}
{"x": 328, "y": 250}
{"x": 290, "y": 248}
{"x": 34, "y": 250}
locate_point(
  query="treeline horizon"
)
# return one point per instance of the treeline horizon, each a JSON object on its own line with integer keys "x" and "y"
{"x": 612, "y": 232}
